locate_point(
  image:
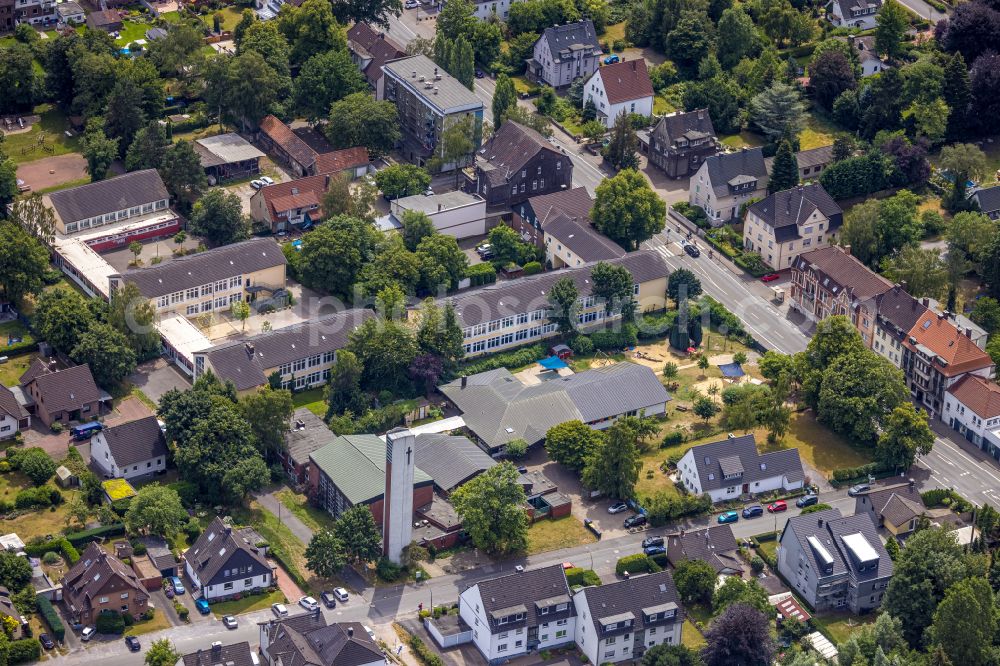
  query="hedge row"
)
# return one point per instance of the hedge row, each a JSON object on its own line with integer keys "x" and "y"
{"x": 24, "y": 651}
{"x": 512, "y": 359}
{"x": 946, "y": 497}
{"x": 86, "y": 536}
{"x": 427, "y": 656}
{"x": 51, "y": 617}
{"x": 480, "y": 274}
{"x": 635, "y": 564}
{"x": 722, "y": 319}
{"x": 61, "y": 545}
{"x": 850, "y": 473}
{"x": 586, "y": 577}
{"x": 611, "y": 339}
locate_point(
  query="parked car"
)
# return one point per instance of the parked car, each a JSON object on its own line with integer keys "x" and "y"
{"x": 771, "y": 277}
{"x": 340, "y": 593}
{"x": 776, "y": 507}
{"x": 858, "y": 489}
{"x": 753, "y": 511}
{"x": 46, "y": 641}
{"x": 133, "y": 643}
{"x": 806, "y": 500}
{"x": 692, "y": 250}
{"x": 612, "y": 59}
{"x": 618, "y": 507}
{"x": 176, "y": 583}
{"x": 169, "y": 591}
{"x": 256, "y": 184}
{"x": 328, "y": 599}
{"x": 309, "y": 603}
{"x": 480, "y": 73}
{"x": 728, "y": 517}
{"x": 230, "y": 622}
{"x": 267, "y": 180}
{"x": 202, "y": 605}
{"x": 652, "y": 541}
{"x": 279, "y": 610}
{"x": 87, "y": 634}
{"x": 654, "y": 550}
{"x": 635, "y": 521}
{"x": 484, "y": 249}
{"x": 411, "y": 4}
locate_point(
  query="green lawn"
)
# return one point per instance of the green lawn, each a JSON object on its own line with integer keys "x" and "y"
{"x": 171, "y": 17}
{"x": 838, "y": 627}
{"x": 35, "y": 522}
{"x": 742, "y": 140}
{"x": 545, "y": 535}
{"x": 312, "y": 517}
{"x": 661, "y": 106}
{"x": 24, "y": 147}
{"x": 311, "y": 400}
{"x": 818, "y": 445}
{"x": 159, "y": 621}
{"x": 13, "y": 328}
{"x": 249, "y": 603}
{"x": 818, "y": 132}
{"x": 11, "y": 371}
{"x": 769, "y": 547}
{"x": 230, "y": 17}
{"x": 131, "y": 31}
{"x": 691, "y": 637}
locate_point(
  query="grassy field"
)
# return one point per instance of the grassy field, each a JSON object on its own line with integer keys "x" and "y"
{"x": 131, "y": 31}
{"x": 613, "y": 32}
{"x": 661, "y": 106}
{"x": 230, "y": 17}
{"x": 742, "y": 140}
{"x": 248, "y": 604}
{"x": 691, "y": 637}
{"x": 15, "y": 329}
{"x": 159, "y": 621}
{"x": 171, "y": 17}
{"x": 11, "y": 371}
{"x": 312, "y": 517}
{"x": 817, "y": 132}
{"x": 35, "y": 522}
{"x": 24, "y": 147}
{"x": 839, "y": 626}
{"x": 566, "y": 532}
{"x": 311, "y": 400}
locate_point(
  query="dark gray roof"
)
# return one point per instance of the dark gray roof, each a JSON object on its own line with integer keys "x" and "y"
{"x": 90, "y": 575}
{"x": 897, "y": 503}
{"x": 308, "y": 433}
{"x": 510, "y": 297}
{"x": 640, "y": 597}
{"x": 194, "y": 270}
{"x": 63, "y": 390}
{"x": 572, "y": 37}
{"x": 690, "y": 125}
{"x": 237, "y": 654}
{"x": 847, "y": 5}
{"x": 356, "y": 465}
{"x": 708, "y": 457}
{"x": 244, "y": 361}
{"x": 519, "y": 592}
{"x": 808, "y": 158}
{"x": 213, "y": 549}
{"x": 337, "y": 644}
{"x": 715, "y": 545}
{"x": 837, "y": 270}
{"x": 898, "y": 309}
{"x": 10, "y": 406}
{"x": 786, "y": 211}
{"x": 989, "y": 199}
{"x": 135, "y": 441}
{"x": 741, "y": 165}
{"x": 511, "y": 147}
{"x": 498, "y": 408}
{"x": 582, "y": 239}
{"x": 450, "y": 460}
{"x": 829, "y": 528}
{"x": 106, "y": 196}
{"x": 575, "y": 202}
{"x": 445, "y": 93}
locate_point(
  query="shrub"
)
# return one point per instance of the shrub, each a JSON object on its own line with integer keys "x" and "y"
{"x": 665, "y": 508}
{"x": 512, "y": 359}
{"x": 4, "y": 466}
{"x": 586, "y": 577}
{"x": 946, "y": 497}
{"x": 182, "y": 611}
{"x": 138, "y": 548}
{"x": 40, "y": 496}
{"x": 50, "y": 558}
{"x": 655, "y": 324}
{"x": 36, "y": 464}
{"x": 424, "y": 653}
{"x": 634, "y": 564}
{"x": 86, "y": 536}
{"x": 24, "y": 651}
{"x": 850, "y": 473}
{"x": 756, "y": 564}
{"x": 611, "y": 339}
{"x": 516, "y": 448}
{"x": 581, "y": 344}
{"x": 532, "y": 267}
{"x": 51, "y": 617}
{"x": 673, "y": 438}
{"x": 388, "y": 570}
{"x": 480, "y": 274}
{"x": 814, "y": 508}
{"x": 110, "y": 622}
{"x": 56, "y": 427}
{"x": 69, "y": 553}
{"x": 187, "y": 491}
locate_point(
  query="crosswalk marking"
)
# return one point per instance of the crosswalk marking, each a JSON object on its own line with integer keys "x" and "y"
{"x": 663, "y": 250}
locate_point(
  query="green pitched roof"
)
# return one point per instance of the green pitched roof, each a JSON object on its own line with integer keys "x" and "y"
{"x": 356, "y": 465}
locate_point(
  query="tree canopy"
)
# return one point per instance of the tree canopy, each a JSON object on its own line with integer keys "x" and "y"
{"x": 492, "y": 510}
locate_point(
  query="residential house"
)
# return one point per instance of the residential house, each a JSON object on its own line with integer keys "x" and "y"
{"x": 301, "y": 354}
{"x": 971, "y": 329}
{"x": 458, "y": 214}
{"x": 308, "y": 433}
{"x": 519, "y": 613}
{"x": 70, "y": 13}
{"x": 62, "y": 395}
{"x": 498, "y": 408}
{"x": 223, "y": 563}
{"x": 227, "y": 157}
{"x": 530, "y": 215}
{"x": 7, "y": 16}
{"x": 681, "y": 141}
{"x": 829, "y": 281}
{"x": 32, "y": 12}
{"x": 835, "y": 562}
{"x": 988, "y": 200}
{"x": 13, "y": 416}
{"x": 100, "y": 582}
{"x": 251, "y": 270}
{"x": 936, "y": 356}
{"x": 514, "y": 312}
{"x": 130, "y": 450}
{"x": 108, "y": 20}
{"x": 731, "y": 468}
{"x": 853, "y": 13}
{"x": 811, "y": 162}
{"x": 21, "y": 627}
{"x": 564, "y": 53}
{"x": 307, "y": 639}
{"x": 370, "y": 49}
{"x": 350, "y": 471}
{"x": 715, "y": 545}
{"x": 518, "y": 163}
{"x": 785, "y": 224}
{"x": 724, "y": 182}
{"x": 292, "y": 204}
{"x": 235, "y": 654}
{"x": 484, "y": 9}
{"x": 620, "y": 621}
{"x": 972, "y": 408}
{"x": 278, "y": 139}
{"x": 620, "y": 90}
{"x": 429, "y": 101}
{"x": 897, "y": 508}
{"x": 892, "y": 313}
{"x": 871, "y": 63}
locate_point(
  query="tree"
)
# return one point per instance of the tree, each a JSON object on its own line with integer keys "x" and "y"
{"x": 785, "y": 171}
{"x": 264, "y": 39}
{"x": 218, "y": 216}
{"x": 965, "y": 162}
{"x": 613, "y": 465}
{"x": 830, "y": 74}
{"x": 182, "y": 172}
{"x": 965, "y": 622}
{"x": 416, "y": 227}
{"x": 737, "y": 591}
{"x": 859, "y": 392}
{"x": 504, "y": 97}
{"x": 177, "y": 51}
{"x": 564, "y": 304}
{"x": 506, "y": 245}
{"x": 268, "y": 412}
{"x": 683, "y": 285}
{"x": 695, "y": 581}
{"x": 884, "y": 635}
{"x": 162, "y": 653}
{"x": 722, "y": 96}
{"x": 689, "y": 42}
{"x": 614, "y": 285}
{"x": 884, "y": 104}
{"x": 455, "y": 145}
{"x": 621, "y": 151}
{"x": 360, "y": 120}
{"x": 311, "y": 30}
{"x": 492, "y": 510}
{"x": 439, "y": 333}
{"x": 36, "y": 464}
{"x": 738, "y": 28}
{"x": 670, "y": 655}
{"x": 456, "y": 20}
{"x": 36, "y": 218}
{"x": 705, "y": 408}
{"x": 571, "y": 443}
{"x": 923, "y": 271}
{"x": 246, "y": 87}
{"x": 324, "y": 79}
{"x": 739, "y": 636}
{"x": 385, "y": 349}
{"x": 442, "y": 263}
{"x": 778, "y": 112}
{"x": 23, "y": 262}
{"x": 986, "y": 313}
{"x": 462, "y": 63}
{"x": 402, "y": 180}
{"x": 957, "y": 93}
{"x": 61, "y": 317}
{"x": 99, "y": 151}
{"x": 343, "y": 390}
{"x": 108, "y": 353}
{"x": 333, "y": 253}
{"x": 892, "y": 24}
{"x": 132, "y": 315}
{"x": 325, "y": 554}
{"x": 360, "y": 536}
{"x": 593, "y": 130}
{"x": 156, "y": 510}
{"x": 627, "y": 210}
{"x": 487, "y": 40}
{"x": 905, "y": 436}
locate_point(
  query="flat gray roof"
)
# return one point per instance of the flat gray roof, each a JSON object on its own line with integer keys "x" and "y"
{"x": 230, "y": 148}
{"x": 445, "y": 92}
{"x": 438, "y": 202}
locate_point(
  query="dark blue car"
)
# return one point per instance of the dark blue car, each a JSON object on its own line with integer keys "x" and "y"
{"x": 753, "y": 511}
{"x": 654, "y": 550}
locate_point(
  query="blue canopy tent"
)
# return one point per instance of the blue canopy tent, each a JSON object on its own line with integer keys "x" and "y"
{"x": 553, "y": 363}
{"x": 731, "y": 370}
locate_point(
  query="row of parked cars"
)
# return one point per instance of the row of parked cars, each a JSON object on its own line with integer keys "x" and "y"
{"x": 755, "y": 510}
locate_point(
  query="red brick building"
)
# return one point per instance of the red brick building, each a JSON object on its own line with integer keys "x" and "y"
{"x": 100, "y": 582}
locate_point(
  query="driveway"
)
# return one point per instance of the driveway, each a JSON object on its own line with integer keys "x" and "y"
{"x": 166, "y": 606}
{"x": 158, "y": 376}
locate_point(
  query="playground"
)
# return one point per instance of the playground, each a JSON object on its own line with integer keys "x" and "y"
{"x": 51, "y": 172}
{"x": 47, "y": 133}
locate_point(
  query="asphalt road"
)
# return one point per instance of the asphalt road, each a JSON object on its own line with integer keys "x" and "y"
{"x": 924, "y": 10}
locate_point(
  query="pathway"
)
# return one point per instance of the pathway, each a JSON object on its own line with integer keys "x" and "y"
{"x": 270, "y": 501}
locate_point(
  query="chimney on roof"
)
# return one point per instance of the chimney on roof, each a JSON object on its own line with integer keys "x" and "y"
{"x": 350, "y": 632}
{"x": 911, "y": 483}
{"x": 820, "y": 521}
{"x": 326, "y": 181}
{"x": 465, "y": 380}
{"x": 249, "y": 348}
{"x": 217, "y": 646}
{"x": 926, "y": 302}
{"x": 413, "y": 74}
{"x": 968, "y": 333}
{"x": 941, "y": 315}
{"x": 846, "y": 249}
{"x": 701, "y": 114}
{"x": 439, "y": 208}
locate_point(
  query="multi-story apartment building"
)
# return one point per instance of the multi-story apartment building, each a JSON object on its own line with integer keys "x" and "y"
{"x": 724, "y": 182}
{"x": 429, "y": 101}
{"x": 892, "y": 314}
{"x": 212, "y": 280}
{"x": 518, "y": 163}
{"x": 681, "y": 141}
{"x": 35, "y": 12}
{"x": 516, "y": 312}
{"x": 972, "y": 408}
{"x": 829, "y": 281}
{"x": 565, "y": 52}
{"x": 786, "y": 224}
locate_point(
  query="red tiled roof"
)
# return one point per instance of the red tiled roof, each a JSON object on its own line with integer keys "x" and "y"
{"x": 958, "y": 352}
{"x": 300, "y": 200}
{"x": 281, "y": 197}
{"x": 980, "y": 395}
{"x": 626, "y": 81}
{"x": 282, "y": 135}
{"x": 341, "y": 160}
{"x": 381, "y": 49}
